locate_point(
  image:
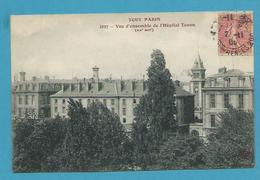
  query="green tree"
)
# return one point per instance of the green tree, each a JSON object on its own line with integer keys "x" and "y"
{"x": 155, "y": 114}
{"x": 232, "y": 144}
{"x": 95, "y": 140}
{"x": 182, "y": 152}
{"x": 34, "y": 141}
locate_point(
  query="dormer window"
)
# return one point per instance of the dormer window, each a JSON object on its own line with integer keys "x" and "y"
{"x": 213, "y": 82}
{"x": 227, "y": 82}
{"x": 20, "y": 87}
{"x": 241, "y": 82}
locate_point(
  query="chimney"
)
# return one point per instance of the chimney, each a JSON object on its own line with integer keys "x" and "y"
{"x": 34, "y": 78}
{"x": 122, "y": 85}
{"x": 79, "y": 86}
{"x": 15, "y": 78}
{"x": 22, "y": 76}
{"x": 177, "y": 83}
{"x": 95, "y": 73}
{"x": 222, "y": 70}
{"x": 144, "y": 85}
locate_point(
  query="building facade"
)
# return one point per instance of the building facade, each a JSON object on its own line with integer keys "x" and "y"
{"x": 32, "y": 97}
{"x": 227, "y": 87}
{"x": 120, "y": 96}
{"x": 215, "y": 93}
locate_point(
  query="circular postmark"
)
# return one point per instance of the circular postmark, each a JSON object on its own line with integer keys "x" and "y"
{"x": 235, "y": 34}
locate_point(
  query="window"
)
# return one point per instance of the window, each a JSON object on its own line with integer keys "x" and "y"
{"x": 55, "y": 109}
{"x": 33, "y": 99}
{"x": 134, "y": 100}
{"x": 19, "y": 112}
{"x": 213, "y": 83}
{"x": 226, "y": 100}
{"x": 241, "y": 82}
{"x": 241, "y": 101}
{"x": 112, "y": 101}
{"x": 89, "y": 101}
{"x": 124, "y": 111}
{"x": 227, "y": 82}
{"x": 33, "y": 87}
{"x": 48, "y": 100}
{"x": 63, "y": 109}
{"x": 56, "y": 101}
{"x": 194, "y": 133}
{"x": 105, "y": 102}
{"x": 113, "y": 110}
{"x": 212, "y": 120}
{"x": 63, "y": 101}
{"x": 124, "y": 120}
{"x": 20, "y": 99}
{"x": 124, "y": 102}
{"x": 212, "y": 101}
{"x": 80, "y": 101}
{"x": 27, "y": 87}
{"x": 26, "y": 99}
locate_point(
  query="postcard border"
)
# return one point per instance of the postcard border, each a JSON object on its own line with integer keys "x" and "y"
{"x": 18, "y": 7}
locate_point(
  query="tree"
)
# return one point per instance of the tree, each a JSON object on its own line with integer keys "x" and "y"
{"x": 34, "y": 142}
{"x": 232, "y": 144}
{"x": 95, "y": 140}
{"x": 155, "y": 114}
{"x": 182, "y": 152}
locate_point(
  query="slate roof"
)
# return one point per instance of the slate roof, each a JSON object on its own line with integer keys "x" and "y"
{"x": 230, "y": 73}
{"x": 110, "y": 88}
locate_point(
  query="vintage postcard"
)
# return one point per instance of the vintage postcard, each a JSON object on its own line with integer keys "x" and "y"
{"x": 132, "y": 91}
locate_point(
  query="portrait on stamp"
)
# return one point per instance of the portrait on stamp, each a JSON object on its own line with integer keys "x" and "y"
{"x": 132, "y": 91}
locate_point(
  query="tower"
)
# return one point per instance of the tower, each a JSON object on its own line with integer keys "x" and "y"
{"x": 197, "y": 83}
{"x": 95, "y": 73}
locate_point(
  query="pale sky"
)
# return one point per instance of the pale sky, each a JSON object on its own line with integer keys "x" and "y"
{"x": 66, "y": 46}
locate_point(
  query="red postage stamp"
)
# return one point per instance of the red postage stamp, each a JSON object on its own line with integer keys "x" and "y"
{"x": 235, "y": 34}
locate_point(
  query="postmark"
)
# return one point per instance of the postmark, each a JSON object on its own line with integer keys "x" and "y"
{"x": 235, "y": 34}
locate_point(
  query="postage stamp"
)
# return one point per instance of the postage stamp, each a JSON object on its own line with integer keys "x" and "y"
{"x": 235, "y": 34}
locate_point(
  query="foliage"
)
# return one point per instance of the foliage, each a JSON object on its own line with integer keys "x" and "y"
{"x": 182, "y": 152}
{"x": 154, "y": 115}
{"x": 95, "y": 139}
{"x": 232, "y": 144}
{"x": 34, "y": 141}
{"x": 91, "y": 139}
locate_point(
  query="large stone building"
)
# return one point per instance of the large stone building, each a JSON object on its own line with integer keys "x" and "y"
{"x": 227, "y": 87}
{"x": 32, "y": 97}
{"x": 120, "y": 96}
{"x": 197, "y": 110}
{"x": 216, "y": 92}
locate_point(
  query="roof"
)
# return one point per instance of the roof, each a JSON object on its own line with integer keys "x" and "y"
{"x": 115, "y": 88}
{"x": 230, "y": 73}
{"x": 103, "y": 88}
{"x": 180, "y": 92}
{"x": 198, "y": 64}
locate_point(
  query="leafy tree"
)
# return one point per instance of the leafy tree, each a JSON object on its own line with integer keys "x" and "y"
{"x": 95, "y": 140}
{"x": 182, "y": 152}
{"x": 232, "y": 144}
{"x": 154, "y": 115}
{"x": 34, "y": 141}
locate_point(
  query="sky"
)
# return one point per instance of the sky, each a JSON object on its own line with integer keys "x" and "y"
{"x": 67, "y": 46}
